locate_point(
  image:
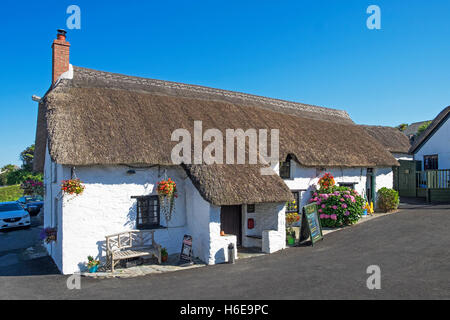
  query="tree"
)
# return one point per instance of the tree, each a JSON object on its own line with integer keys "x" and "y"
{"x": 402, "y": 126}
{"x": 4, "y": 171}
{"x": 27, "y": 157}
{"x": 423, "y": 127}
{"x": 21, "y": 175}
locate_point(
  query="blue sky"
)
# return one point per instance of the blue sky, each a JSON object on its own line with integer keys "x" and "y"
{"x": 317, "y": 52}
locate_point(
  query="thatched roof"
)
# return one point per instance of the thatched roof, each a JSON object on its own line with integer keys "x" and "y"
{"x": 432, "y": 128}
{"x": 240, "y": 183}
{"x": 100, "y": 118}
{"x": 391, "y": 138}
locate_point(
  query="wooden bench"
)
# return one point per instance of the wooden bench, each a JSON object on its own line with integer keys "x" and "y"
{"x": 131, "y": 244}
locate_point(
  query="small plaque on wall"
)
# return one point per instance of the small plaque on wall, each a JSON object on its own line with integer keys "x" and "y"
{"x": 251, "y": 208}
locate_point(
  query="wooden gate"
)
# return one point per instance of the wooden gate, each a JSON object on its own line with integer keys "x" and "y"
{"x": 405, "y": 178}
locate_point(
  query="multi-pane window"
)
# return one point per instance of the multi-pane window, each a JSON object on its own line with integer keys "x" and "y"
{"x": 294, "y": 206}
{"x": 148, "y": 216}
{"x": 350, "y": 185}
{"x": 285, "y": 169}
{"x": 430, "y": 162}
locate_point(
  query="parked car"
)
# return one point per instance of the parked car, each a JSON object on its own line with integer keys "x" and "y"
{"x": 12, "y": 215}
{"x": 31, "y": 204}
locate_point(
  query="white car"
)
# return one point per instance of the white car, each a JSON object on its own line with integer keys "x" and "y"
{"x": 12, "y": 215}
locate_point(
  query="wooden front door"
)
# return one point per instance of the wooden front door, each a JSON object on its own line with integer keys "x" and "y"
{"x": 231, "y": 221}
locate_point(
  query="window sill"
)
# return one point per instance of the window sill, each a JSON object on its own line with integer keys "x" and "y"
{"x": 151, "y": 228}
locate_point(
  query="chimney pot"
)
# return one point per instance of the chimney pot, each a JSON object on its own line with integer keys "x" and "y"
{"x": 61, "y": 34}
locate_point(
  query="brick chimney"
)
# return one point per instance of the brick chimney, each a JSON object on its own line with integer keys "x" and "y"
{"x": 60, "y": 59}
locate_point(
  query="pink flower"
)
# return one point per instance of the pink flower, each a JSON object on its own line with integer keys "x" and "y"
{"x": 344, "y": 206}
{"x": 322, "y": 216}
{"x": 323, "y": 206}
{"x": 326, "y": 216}
{"x": 333, "y": 217}
{"x": 334, "y": 207}
{"x": 347, "y": 213}
{"x": 320, "y": 210}
{"x": 342, "y": 199}
{"x": 315, "y": 194}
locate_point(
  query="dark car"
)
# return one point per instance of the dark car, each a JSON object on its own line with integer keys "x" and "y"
{"x": 31, "y": 204}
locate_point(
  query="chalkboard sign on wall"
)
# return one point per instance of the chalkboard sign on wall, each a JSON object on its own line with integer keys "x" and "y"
{"x": 311, "y": 227}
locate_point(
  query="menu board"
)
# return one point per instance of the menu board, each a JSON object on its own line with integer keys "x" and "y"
{"x": 311, "y": 223}
{"x": 186, "y": 250}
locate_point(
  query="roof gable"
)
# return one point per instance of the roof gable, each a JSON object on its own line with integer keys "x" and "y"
{"x": 431, "y": 130}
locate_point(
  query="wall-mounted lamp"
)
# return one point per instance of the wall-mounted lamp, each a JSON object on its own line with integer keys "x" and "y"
{"x": 131, "y": 171}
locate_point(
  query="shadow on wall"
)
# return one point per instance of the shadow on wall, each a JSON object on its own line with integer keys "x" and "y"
{"x": 101, "y": 249}
{"x": 131, "y": 217}
{"x": 219, "y": 257}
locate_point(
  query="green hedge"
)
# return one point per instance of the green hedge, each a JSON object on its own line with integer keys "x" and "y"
{"x": 10, "y": 193}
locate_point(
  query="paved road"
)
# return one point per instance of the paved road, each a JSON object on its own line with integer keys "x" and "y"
{"x": 21, "y": 252}
{"x": 411, "y": 247}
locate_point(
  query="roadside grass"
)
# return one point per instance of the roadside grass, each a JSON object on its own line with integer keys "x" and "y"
{"x": 10, "y": 193}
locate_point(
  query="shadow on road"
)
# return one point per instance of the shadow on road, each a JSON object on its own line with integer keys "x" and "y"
{"x": 22, "y": 253}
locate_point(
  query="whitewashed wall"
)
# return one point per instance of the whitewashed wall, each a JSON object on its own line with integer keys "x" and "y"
{"x": 53, "y": 217}
{"x": 267, "y": 216}
{"x": 306, "y": 179}
{"x": 384, "y": 177}
{"x": 106, "y": 207}
{"x": 439, "y": 144}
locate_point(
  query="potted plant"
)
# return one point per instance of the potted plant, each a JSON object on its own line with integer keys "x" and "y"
{"x": 164, "y": 255}
{"x": 291, "y": 218}
{"x": 92, "y": 264}
{"x": 48, "y": 235}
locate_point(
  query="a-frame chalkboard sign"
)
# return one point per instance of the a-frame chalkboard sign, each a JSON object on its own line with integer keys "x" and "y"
{"x": 311, "y": 227}
{"x": 186, "y": 251}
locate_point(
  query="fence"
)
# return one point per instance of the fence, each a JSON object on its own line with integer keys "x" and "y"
{"x": 433, "y": 179}
{"x": 434, "y": 185}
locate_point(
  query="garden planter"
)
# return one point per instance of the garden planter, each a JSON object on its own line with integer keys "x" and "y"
{"x": 164, "y": 258}
{"x": 290, "y": 239}
{"x": 93, "y": 269}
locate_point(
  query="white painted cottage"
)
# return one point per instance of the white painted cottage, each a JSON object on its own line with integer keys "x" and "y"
{"x": 113, "y": 132}
{"x": 432, "y": 147}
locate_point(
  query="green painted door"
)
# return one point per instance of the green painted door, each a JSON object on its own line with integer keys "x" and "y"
{"x": 407, "y": 178}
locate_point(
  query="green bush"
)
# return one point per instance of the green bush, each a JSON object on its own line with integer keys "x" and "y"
{"x": 10, "y": 193}
{"x": 388, "y": 199}
{"x": 21, "y": 175}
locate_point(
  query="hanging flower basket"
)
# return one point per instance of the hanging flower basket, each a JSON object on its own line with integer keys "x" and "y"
{"x": 167, "y": 192}
{"x": 48, "y": 235}
{"x": 32, "y": 188}
{"x": 327, "y": 181}
{"x": 72, "y": 187}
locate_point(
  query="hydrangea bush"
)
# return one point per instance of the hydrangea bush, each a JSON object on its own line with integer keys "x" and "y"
{"x": 338, "y": 206}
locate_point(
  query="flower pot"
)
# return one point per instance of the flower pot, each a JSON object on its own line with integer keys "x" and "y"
{"x": 93, "y": 269}
{"x": 164, "y": 258}
{"x": 290, "y": 240}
